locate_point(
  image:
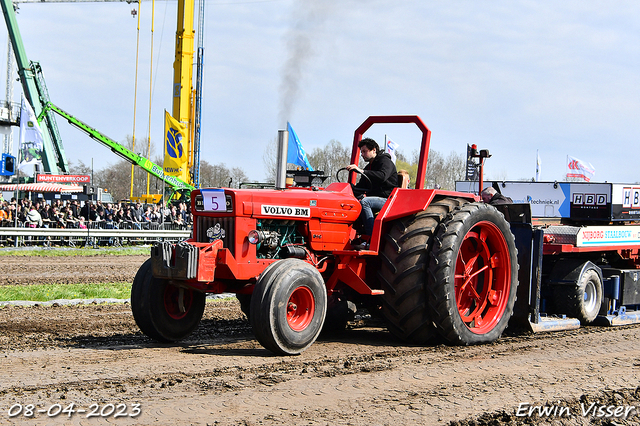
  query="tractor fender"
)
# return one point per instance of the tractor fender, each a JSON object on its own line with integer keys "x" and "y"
{"x": 569, "y": 271}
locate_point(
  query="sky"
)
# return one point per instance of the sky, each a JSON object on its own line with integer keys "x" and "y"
{"x": 516, "y": 77}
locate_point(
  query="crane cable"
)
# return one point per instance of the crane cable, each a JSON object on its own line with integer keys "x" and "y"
{"x": 153, "y": 12}
{"x": 135, "y": 100}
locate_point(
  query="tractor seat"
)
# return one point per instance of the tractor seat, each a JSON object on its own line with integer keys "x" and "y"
{"x": 403, "y": 181}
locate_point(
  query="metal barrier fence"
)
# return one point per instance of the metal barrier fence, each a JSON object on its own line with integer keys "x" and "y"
{"x": 73, "y": 237}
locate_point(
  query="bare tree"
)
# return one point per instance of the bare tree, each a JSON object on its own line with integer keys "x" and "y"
{"x": 455, "y": 169}
{"x": 270, "y": 161}
{"x": 219, "y": 175}
{"x": 435, "y": 170}
{"x": 330, "y": 159}
{"x": 239, "y": 176}
{"x": 443, "y": 172}
{"x": 80, "y": 168}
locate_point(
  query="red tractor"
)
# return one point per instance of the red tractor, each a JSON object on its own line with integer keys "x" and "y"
{"x": 438, "y": 262}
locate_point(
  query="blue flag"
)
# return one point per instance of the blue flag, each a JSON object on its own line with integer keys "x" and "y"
{"x": 295, "y": 151}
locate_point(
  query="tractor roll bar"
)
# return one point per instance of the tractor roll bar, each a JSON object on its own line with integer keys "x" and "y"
{"x": 395, "y": 119}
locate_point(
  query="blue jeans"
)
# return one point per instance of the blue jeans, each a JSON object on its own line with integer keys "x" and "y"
{"x": 370, "y": 205}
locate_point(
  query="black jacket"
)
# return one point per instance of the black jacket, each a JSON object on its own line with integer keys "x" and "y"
{"x": 383, "y": 175}
{"x": 498, "y": 199}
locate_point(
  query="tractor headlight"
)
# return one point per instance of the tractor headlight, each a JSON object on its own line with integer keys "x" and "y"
{"x": 269, "y": 239}
{"x": 255, "y": 237}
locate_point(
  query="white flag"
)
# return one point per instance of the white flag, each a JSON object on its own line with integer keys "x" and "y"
{"x": 580, "y": 169}
{"x": 538, "y": 166}
{"x": 31, "y": 138}
{"x": 392, "y": 147}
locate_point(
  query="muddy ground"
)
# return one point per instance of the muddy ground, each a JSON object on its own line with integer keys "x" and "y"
{"x": 21, "y": 270}
{"x": 94, "y": 358}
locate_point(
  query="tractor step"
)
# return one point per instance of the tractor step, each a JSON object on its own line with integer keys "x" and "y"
{"x": 545, "y": 324}
{"x": 622, "y": 318}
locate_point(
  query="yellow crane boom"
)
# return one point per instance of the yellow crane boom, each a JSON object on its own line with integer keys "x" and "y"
{"x": 183, "y": 77}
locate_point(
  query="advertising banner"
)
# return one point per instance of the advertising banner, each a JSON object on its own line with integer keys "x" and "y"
{"x": 547, "y": 199}
{"x": 31, "y": 139}
{"x": 626, "y": 202}
{"x": 575, "y": 200}
{"x": 596, "y": 236}
{"x": 176, "y": 155}
{"x": 63, "y": 178}
{"x": 590, "y": 200}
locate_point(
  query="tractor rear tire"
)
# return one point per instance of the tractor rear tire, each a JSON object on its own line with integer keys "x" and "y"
{"x": 404, "y": 261}
{"x": 164, "y": 312}
{"x": 473, "y": 275}
{"x": 288, "y": 307}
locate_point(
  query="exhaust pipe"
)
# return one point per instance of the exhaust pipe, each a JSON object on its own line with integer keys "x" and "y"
{"x": 281, "y": 165}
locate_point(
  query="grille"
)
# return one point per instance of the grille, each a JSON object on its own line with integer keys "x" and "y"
{"x": 227, "y": 223}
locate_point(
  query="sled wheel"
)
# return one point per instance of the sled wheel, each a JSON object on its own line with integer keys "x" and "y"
{"x": 288, "y": 307}
{"x": 404, "y": 260}
{"x": 164, "y": 312}
{"x": 582, "y": 301}
{"x": 473, "y": 275}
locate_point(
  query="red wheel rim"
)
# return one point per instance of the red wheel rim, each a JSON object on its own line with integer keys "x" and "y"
{"x": 300, "y": 308}
{"x": 483, "y": 277}
{"x": 177, "y": 301}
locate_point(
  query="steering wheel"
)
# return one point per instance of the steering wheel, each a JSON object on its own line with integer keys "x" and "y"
{"x": 366, "y": 178}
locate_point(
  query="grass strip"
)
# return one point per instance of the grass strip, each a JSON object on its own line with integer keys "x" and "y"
{"x": 46, "y": 292}
{"x": 53, "y": 252}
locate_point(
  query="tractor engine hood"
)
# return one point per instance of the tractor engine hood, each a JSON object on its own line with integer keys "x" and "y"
{"x": 326, "y": 215}
{"x": 336, "y": 203}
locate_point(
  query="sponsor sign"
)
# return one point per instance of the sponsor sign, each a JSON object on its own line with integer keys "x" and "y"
{"x": 631, "y": 198}
{"x": 576, "y": 200}
{"x": 547, "y": 199}
{"x": 608, "y": 236}
{"x": 267, "y": 210}
{"x": 626, "y": 202}
{"x": 590, "y": 201}
{"x": 63, "y": 178}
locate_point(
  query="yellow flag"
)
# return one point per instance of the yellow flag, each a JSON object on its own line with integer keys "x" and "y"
{"x": 176, "y": 153}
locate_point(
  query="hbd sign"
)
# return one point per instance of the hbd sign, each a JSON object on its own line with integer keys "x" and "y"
{"x": 589, "y": 199}
{"x": 631, "y": 198}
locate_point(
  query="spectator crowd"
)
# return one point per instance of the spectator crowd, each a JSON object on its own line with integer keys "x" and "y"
{"x": 73, "y": 214}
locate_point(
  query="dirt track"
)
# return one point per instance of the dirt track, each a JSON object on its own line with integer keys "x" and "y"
{"x": 20, "y": 270}
{"x": 96, "y": 355}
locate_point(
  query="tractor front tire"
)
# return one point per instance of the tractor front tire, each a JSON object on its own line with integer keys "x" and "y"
{"x": 404, "y": 260}
{"x": 164, "y": 312}
{"x": 288, "y": 307}
{"x": 473, "y": 275}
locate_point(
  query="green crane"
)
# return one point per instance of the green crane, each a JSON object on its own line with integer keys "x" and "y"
{"x": 179, "y": 188}
{"x": 54, "y": 159}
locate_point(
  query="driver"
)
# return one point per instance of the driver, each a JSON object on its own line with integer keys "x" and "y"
{"x": 382, "y": 173}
